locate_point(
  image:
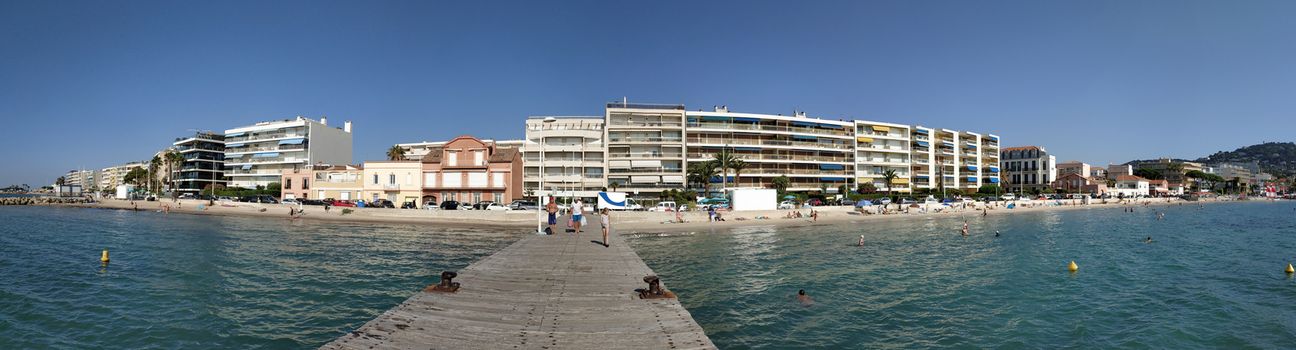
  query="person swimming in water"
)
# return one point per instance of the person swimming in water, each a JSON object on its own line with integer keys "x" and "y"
{"x": 1148, "y": 240}
{"x": 965, "y": 228}
{"x": 861, "y": 241}
{"x": 804, "y": 299}
{"x": 996, "y": 233}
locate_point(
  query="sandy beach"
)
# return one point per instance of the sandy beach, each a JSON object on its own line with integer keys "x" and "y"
{"x": 622, "y": 222}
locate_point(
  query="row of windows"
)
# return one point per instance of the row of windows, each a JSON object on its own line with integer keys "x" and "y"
{"x": 1031, "y": 179}
{"x": 288, "y": 183}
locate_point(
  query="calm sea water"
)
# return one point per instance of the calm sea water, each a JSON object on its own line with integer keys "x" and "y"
{"x": 186, "y": 281}
{"x": 1212, "y": 278}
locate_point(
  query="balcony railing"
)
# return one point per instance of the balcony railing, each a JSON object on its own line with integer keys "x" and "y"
{"x": 258, "y": 137}
{"x": 763, "y": 127}
{"x": 624, "y": 123}
{"x": 793, "y": 158}
{"x": 645, "y": 139}
{"x": 644, "y": 155}
{"x": 283, "y": 148}
{"x": 841, "y": 146}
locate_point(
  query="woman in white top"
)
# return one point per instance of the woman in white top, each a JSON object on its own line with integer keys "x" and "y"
{"x": 577, "y": 208}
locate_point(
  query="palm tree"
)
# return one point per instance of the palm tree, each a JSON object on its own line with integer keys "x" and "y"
{"x": 173, "y": 160}
{"x": 737, "y": 165}
{"x": 395, "y": 153}
{"x": 889, "y": 176}
{"x": 60, "y": 181}
{"x": 613, "y": 185}
{"x": 723, "y": 160}
{"x": 701, "y": 173}
{"x": 154, "y": 165}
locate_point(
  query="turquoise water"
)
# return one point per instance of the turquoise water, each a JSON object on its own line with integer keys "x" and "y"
{"x": 1212, "y": 278}
{"x": 187, "y": 281}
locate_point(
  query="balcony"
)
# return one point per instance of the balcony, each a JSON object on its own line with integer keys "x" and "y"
{"x": 391, "y": 187}
{"x": 260, "y": 137}
{"x": 740, "y": 142}
{"x": 646, "y": 139}
{"x": 644, "y": 124}
{"x": 781, "y": 157}
{"x": 763, "y": 127}
{"x": 644, "y": 155}
{"x": 277, "y": 148}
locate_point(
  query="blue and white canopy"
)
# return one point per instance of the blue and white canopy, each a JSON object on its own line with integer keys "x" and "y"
{"x": 296, "y": 141}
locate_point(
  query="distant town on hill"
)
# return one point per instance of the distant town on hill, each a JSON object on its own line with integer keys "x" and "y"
{"x": 1277, "y": 158}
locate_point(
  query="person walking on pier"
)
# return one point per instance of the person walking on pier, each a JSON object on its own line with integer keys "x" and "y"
{"x": 607, "y": 226}
{"x": 552, "y": 208}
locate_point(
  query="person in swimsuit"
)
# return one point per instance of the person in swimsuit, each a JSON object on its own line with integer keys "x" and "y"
{"x": 603, "y": 216}
{"x": 552, "y": 208}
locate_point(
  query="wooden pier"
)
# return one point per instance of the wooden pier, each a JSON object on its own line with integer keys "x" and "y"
{"x": 542, "y": 292}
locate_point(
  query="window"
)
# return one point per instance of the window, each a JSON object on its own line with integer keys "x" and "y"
{"x": 476, "y": 197}
{"x": 287, "y": 184}
{"x": 305, "y": 183}
{"x": 375, "y": 181}
{"x": 391, "y": 179}
{"x": 499, "y": 197}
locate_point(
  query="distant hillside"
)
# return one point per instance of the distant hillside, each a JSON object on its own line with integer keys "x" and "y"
{"x": 1278, "y": 158}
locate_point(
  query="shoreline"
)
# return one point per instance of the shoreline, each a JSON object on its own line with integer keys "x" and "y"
{"x": 623, "y": 223}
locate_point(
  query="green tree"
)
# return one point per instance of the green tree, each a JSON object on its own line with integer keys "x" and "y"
{"x": 60, "y": 181}
{"x": 865, "y": 188}
{"x": 1149, "y": 174}
{"x": 701, "y": 173}
{"x": 722, "y": 162}
{"x": 889, "y": 177}
{"x": 155, "y": 166}
{"x": 395, "y": 153}
{"x": 780, "y": 184}
{"x": 136, "y": 176}
{"x": 737, "y": 165}
{"x": 272, "y": 189}
{"x": 988, "y": 189}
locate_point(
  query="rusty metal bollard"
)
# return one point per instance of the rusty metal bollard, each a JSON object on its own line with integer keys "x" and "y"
{"x": 447, "y": 284}
{"x": 654, "y": 290}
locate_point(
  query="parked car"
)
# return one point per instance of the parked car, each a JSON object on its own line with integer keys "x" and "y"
{"x": 497, "y": 206}
{"x": 631, "y": 204}
{"x": 664, "y": 206}
{"x": 908, "y": 201}
{"x": 884, "y": 201}
{"x": 342, "y": 203}
{"x": 381, "y": 203}
{"x": 523, "y": 205}
{"x": 482, "y": 205}
{"x": 787, "y": 205}
{"x": 815, "y": 202}
{"x": 409, "y": 205}
{"x": 311, "y": 202}
{"x": 206, "y": 197}
{"x": 186, "y": 196}
{"x": 267, "y": 199}
{"x": 1009, "y": 197}
{"x": 450, "y": 205}
{"x": 225, "y": 198}
{"x": 151, "y": 199}
{"x": 847, "y": 202}
{"x": 292, "y": 201}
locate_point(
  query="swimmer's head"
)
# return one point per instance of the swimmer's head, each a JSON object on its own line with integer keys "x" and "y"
{"x": 801, "y": 292}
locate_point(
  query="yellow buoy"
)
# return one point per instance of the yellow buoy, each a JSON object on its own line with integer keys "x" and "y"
{"x": 1072, "y": 266}
{"x": 104, "y": 259}
{"x": 1290, "y": 269}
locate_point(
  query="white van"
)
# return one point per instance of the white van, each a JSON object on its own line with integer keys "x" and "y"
{"x": 1009, "y": 197}
{"x": 664, "y": 206}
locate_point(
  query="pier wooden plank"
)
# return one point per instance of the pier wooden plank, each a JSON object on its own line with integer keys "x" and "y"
{"x": 542, "y": 292}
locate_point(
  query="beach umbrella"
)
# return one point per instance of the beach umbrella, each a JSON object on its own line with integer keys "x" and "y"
{"x": 863, "y": 203}
{"x": 789, "y": 197}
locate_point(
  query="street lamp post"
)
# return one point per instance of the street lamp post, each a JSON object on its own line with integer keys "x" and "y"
{"x": 540, "y": 205}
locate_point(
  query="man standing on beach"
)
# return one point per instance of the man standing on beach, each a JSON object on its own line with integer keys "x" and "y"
{"x": 552, "y": 208}
{"x": 577, "y": 210}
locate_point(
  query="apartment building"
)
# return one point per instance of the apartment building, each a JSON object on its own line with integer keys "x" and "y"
{"x": 880, "y": 147}
{"x": 1171, "y": 170}
{"x": 397, "y": 181}
{"x": 84, "y": 178}
{"x": 1028, "y": 168}
{"x": 469, "y": 170}
{"x": 342, "y": 182}
{"x": 813, "y": 153}
{"x": 922, "y": 158}
{"x": 203, "y": 165}
{"x": 258, "y": 154}
{"x": 1074, "y": 167}
{"x": 574, "y": 156}
{"x": 990, "y": 172}
{"x": 1231, "y": 171}
{"x": 645, "y": 147}
{"x": 113, "y": 176}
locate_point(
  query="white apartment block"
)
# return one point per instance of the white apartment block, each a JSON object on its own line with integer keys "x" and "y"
{"x": 113, "y": 176}
{"x": 880, "y": 147}
{"x": 811, "y": 152}
{"x": 258, "y": 154}
{"x": 645, "y": 147}
{"x": 85, "y": 178}
{"x": 575, "y": 157}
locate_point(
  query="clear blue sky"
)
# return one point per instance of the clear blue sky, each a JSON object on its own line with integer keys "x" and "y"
{"x": 97, "y": 83}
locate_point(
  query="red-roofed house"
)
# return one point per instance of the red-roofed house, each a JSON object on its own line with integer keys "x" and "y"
{"x": 1131, "y": 186}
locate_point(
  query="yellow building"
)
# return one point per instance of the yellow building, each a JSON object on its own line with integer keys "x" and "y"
{"x": 396, "y": 181}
